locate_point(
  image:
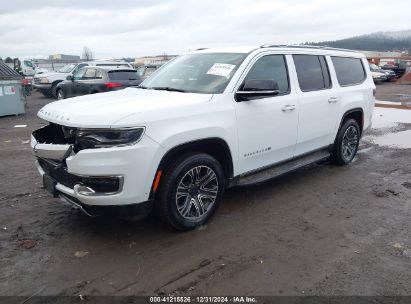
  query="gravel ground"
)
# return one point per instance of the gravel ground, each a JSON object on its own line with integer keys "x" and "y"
{"x": 323, "y": 230}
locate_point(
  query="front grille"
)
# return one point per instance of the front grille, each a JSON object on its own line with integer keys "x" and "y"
{"x": 58, "y": 171}
{"x": 36, "y": 80}
{"x": 54, "y": 134}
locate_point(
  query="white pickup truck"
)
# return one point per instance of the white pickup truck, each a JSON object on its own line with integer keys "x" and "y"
{"x": 46, "y": 82}
{"x": 208, "y": 120}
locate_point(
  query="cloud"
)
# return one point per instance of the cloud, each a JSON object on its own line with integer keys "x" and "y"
{"x": 129, "y": 28}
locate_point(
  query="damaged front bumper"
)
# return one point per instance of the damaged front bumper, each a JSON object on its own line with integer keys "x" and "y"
{"x": 93, "y": 177}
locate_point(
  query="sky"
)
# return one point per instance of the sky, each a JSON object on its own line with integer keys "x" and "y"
{"x": 133, "y": 28}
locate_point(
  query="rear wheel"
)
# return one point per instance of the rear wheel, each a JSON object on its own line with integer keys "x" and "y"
{"x": 346, "y": 144}
{"x": 190, "y": 191}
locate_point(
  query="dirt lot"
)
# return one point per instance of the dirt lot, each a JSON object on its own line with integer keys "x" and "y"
{"x": 323, "y": 230}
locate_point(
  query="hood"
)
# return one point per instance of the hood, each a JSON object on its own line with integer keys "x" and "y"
{"x": 105, "y": 109}
{"x": 51, "y": 75}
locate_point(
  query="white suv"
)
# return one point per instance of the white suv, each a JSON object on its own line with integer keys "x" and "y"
{"x": 207, "y": 120}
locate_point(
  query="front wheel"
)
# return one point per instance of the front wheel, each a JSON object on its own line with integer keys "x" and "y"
{"x": 346, "y": 143}
{"x": 190, "y": 191}
{"x": 60, "y": 94}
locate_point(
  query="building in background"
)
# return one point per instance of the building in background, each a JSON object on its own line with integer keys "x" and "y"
{"x": 63, "y": 57}
{"x": 153, "y": 60}
{"x": 391, "y": 58}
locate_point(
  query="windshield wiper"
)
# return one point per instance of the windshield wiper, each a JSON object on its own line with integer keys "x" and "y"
{"x": 168, "y": 89}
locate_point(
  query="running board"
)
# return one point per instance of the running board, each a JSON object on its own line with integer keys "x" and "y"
{"x": 272, "y": 172}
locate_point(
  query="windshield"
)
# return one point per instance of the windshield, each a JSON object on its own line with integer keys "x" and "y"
{"x": 28, "y": 63}
{"x": 67, "y": 68}
{"x": 207, "y": 73}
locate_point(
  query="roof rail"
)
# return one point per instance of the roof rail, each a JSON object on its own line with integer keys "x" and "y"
{"x": 200, "y": 49}
{"x": 298, "y": 46}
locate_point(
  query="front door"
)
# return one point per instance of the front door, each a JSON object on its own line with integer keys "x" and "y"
{"x": 75, "y": 87}
{"x": 267, "y": 127}
{"x": 87, "y": 81}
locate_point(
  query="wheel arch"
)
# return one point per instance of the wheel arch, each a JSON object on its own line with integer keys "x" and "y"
{"x": 214, "y": 146}
{"x": 355, "y": 113}
{"x": 53, "y": 88}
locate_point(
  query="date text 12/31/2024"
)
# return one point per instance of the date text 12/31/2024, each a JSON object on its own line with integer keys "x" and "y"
{"x": 202, "y": 299}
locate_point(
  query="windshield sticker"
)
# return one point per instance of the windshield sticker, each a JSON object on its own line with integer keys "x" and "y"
{"x": 221, "y": 69}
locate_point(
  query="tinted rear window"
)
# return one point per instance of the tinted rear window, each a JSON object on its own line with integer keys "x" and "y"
{"x": 312, "y": 72}
{"x": 123, "y": 75}
{"x": 350, "y": 71}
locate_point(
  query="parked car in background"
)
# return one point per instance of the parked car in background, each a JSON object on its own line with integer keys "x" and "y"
{"x": 378, "y": 77}
{"x": 146, "y": 70}
{"x": 398, "y": 69}
{"x": 388, "y": 73}
{"x": 208, "y": 120}
{"x": 96, "y": 79}
{"x": 46, "y": 83}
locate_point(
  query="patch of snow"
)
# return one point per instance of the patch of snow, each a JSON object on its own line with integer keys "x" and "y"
{"x": 387, "y": 117}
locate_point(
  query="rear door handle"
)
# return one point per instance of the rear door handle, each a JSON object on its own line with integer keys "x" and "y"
{"x": 333, "y": 99}
{"x": 288, "y": 108}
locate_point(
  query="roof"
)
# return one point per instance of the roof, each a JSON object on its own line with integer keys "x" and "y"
{"x": 7, "y": 73}
{"x": 111, "y": 68}
{"x": 320, "y": 50}
{"x": 105, "y": 62}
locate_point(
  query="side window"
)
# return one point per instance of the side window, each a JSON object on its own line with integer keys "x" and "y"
{"x": 78, "y": 67}
{"x": 350, "y": 71}
{"x": 90, "y": 73}
{"x": 99, "y": 74}
{"x": 79, "y": 74}
{"x": 312, "y": 72}
{"x": 140, "y": 71}
{"x": 271, "y": 67}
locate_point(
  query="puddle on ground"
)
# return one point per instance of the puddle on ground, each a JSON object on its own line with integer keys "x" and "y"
{"x": 398, "y": 140}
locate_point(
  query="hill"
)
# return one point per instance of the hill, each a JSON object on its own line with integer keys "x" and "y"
{"x": 380, "y": 41}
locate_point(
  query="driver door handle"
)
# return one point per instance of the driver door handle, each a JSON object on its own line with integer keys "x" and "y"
{"x": 333, "y": 99}
{"x": 288, "y": 108}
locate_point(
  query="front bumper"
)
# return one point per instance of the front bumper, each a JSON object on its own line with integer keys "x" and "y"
{"x": 42, "y": 86}
{"x": 380, "y": 79}
{"x": 134, "y": 168}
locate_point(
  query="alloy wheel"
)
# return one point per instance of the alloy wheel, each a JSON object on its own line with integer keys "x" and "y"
{"x": 349, "y": 143}
{"x": 60, "y": 95}
{"x": 197, "y": 192}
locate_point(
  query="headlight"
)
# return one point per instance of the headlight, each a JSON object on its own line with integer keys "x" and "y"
{"x": 91, "y": 139}
{"x": 44, "y": 80}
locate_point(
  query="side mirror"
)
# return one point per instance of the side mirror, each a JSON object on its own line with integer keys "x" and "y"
{"x": 257, "y": 88}
{"x": 70, "y": 77}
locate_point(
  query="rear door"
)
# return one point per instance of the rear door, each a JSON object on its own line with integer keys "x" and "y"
{"x": 318, "y": 102}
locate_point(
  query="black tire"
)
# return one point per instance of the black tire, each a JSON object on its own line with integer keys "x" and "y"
{"x": 53, "y": 90}
{"x": 60, "y": 94}
{"x": 47, "y": 93}
{"x": 193, "y": 199}
{"x": 346, "y": 143}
